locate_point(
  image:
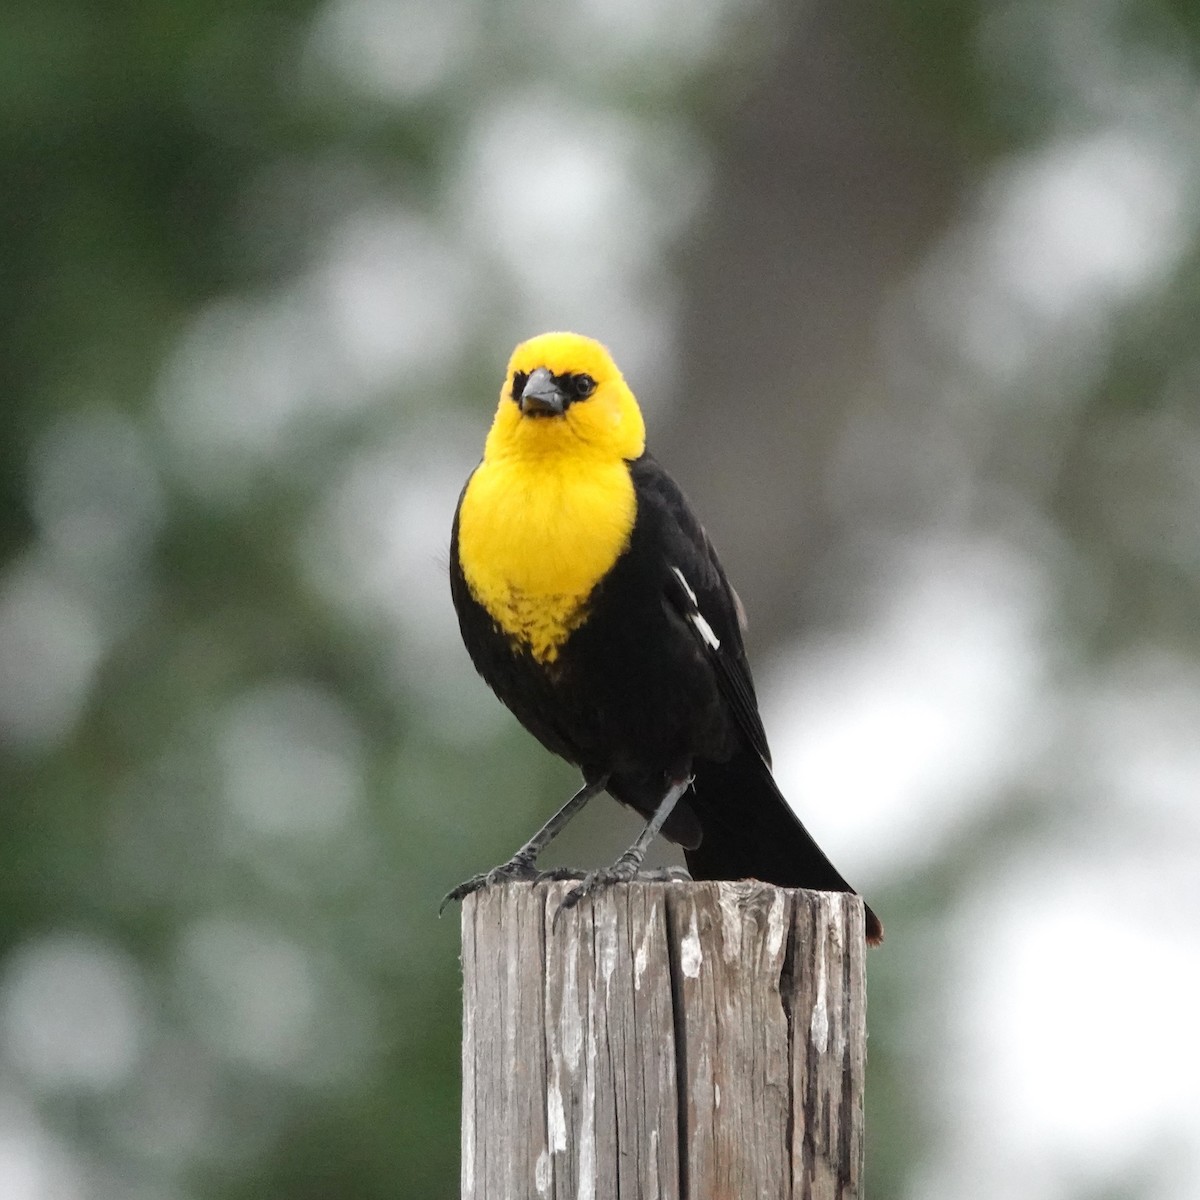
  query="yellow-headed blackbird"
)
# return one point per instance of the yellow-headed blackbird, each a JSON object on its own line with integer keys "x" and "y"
{"x": 594, "y": 605}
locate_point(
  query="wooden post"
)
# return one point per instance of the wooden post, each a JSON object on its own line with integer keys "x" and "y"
{"x": 677, "y": 1041}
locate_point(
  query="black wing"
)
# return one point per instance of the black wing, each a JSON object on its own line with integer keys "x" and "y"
{"x": 698, "y": 590}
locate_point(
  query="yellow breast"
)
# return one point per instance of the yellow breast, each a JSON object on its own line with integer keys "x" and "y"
{"x": 535, "y": 539}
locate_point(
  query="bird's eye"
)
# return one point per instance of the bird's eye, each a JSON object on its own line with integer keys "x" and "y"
{"x": 584, "y": 385}
{"x": 520, "y": 379}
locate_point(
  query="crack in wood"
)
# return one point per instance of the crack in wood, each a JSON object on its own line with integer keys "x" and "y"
{"x": 787, "y": 995}
{"x": 679, "y": 1035}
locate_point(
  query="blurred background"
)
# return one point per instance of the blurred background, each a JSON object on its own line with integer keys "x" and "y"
{"x": 909, "y": 292}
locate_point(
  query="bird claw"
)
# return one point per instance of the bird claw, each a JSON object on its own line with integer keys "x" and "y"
{"x": 620, "y": 872}
{"x": 516, "y": 870}
{"x": 624, "y": 870}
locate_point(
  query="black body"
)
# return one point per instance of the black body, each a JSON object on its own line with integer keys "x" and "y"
{"x": 636, "y": 694}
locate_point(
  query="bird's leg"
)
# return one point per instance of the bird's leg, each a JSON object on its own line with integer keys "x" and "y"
{"x": 522, "y": 864}
{"x": 628, "y": 866}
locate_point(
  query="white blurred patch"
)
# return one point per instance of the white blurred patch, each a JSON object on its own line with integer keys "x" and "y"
{"x": 381, "y": 542}
{"x": 250, "y": 991}
{"x": 1075, "y": 1011}
{"x": 570, "y": 194}
{"x": 887, "y": 738}
{"x": 1078, "y": 968}
{"x": 1067, "y": 235}
{"x": 71, "y": 1013}
{"x": 394, "y": 52}
{"x": 670, "y": 34}
{"x": 1086, "y": 222}
{"x": 292, "y": 761}
{"x": 34, "y": 1165}
{"x": 392, "y": 292}
{"x": 1064, "y": 236}
{"x": 568, "y": 198}
{"x": 250, "y": 379}
{"x": 379, "y": 547}
{"x": 237, "y": 380}
{"x": 50, "y": 646}
{"x": 1005, "y": 329}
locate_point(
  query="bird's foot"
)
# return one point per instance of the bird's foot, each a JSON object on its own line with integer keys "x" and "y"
{"x": 626, "y": 869}
{"x": 518, "y": 869}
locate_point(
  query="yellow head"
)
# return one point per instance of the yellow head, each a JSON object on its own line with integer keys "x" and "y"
{"x": 564, "y": 396}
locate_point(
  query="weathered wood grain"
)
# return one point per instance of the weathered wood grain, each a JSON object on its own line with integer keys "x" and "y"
{"x": 699, "y": 1041}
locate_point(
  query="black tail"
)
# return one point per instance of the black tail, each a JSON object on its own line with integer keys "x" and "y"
{"x": 751, "y": 832}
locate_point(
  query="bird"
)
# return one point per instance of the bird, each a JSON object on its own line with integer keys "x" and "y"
{"x": 592, "y": 602}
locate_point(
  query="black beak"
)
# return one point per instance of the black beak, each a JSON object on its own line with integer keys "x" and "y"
{"x": 542, "y": 395}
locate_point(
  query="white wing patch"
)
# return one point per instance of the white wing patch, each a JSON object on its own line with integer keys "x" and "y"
{"x": 687, "y": 587}
{"x": 696, "y": 617}
{"x": 706, "y": 631}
